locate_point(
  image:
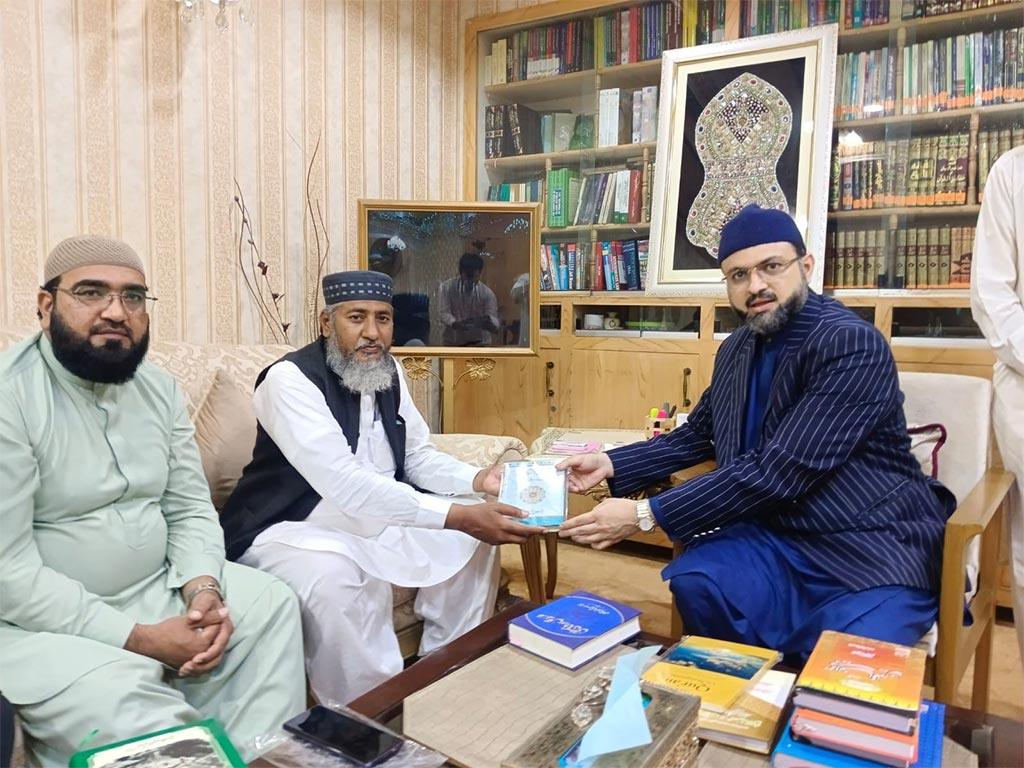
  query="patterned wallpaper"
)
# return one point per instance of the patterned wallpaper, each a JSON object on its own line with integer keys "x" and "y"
{"x": 117, "y": 118}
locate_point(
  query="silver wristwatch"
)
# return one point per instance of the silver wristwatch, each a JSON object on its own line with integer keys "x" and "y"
{"x": 644, "y": 517}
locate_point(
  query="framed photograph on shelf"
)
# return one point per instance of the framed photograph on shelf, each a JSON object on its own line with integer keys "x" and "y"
{"x": 466, "y": 274}
{"x": 740, "y": 122}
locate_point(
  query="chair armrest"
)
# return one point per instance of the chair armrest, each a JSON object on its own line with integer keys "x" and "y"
{"x": 480, "y": 450}
{"x": 977, "y": 515}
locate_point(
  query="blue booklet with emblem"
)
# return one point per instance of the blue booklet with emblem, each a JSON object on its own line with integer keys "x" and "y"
{"x": 538, "y": 488}
{"x": 574, "y": 629}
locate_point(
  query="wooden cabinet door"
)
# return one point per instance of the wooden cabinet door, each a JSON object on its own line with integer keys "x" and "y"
{"x": 613, "y": 389}
{"x": 520, "y": 398}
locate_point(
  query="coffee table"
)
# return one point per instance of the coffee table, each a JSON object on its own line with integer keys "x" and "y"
{"x": 998, "y": 741}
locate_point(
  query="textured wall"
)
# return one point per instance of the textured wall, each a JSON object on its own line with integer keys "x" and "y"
{"x": 117, "y": 118}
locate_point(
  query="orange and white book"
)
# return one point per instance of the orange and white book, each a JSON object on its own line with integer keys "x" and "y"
{"x": 866, "y": 680}
{"x": 853, "y": 738}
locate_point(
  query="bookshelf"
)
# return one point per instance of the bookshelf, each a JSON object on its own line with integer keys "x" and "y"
{"x": 609, "y": 378}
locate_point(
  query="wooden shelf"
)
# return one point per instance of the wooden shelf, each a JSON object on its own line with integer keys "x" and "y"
{"x": 543, "y": 88}
{"x": 577, "y": 157}
{"x": 635, "y": 75}
{"x": 929, "y": 27}
{"x": 990, "y": 114}
{"x": 601, "y": 229}
{"x": 914, "y": 210}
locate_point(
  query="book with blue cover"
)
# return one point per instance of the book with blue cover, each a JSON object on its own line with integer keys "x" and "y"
{"x": 796, "y": 753}
{"x": 574, "y": 629}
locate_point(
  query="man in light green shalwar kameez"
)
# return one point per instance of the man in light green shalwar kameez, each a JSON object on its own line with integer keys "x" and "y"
{"x": 118, "y": 614}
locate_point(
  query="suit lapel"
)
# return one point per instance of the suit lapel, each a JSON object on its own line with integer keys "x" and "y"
{"x": 737, "y": 388}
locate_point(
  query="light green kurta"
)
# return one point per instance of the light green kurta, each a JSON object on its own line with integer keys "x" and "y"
{"x": 104, "y": 514}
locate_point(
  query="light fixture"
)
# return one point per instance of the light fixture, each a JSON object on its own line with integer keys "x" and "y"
{"x": 196, "y": 10}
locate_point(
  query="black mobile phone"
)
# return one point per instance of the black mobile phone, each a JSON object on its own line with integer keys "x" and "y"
{"x": 361, "y": 743}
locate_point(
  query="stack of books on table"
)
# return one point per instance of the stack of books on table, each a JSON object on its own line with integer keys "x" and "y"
{"x": 742, "y": 698}
{"x": 858, "y": 705}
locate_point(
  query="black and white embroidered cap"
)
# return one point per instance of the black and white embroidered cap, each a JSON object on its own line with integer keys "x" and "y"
{"x": 357, "y": 285}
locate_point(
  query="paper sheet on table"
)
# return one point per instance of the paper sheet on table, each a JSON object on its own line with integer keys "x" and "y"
{"x": 623, "y": 724}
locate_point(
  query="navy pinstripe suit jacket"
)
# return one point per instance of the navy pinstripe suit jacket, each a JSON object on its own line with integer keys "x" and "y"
{"x": 833, "y": 473}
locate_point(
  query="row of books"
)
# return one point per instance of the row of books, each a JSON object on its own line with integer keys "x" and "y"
{"x": 858, "y": 703}
{"x": 704, "y": 20}
{"x": 917, "y": 257}
{"x": 639, "y": 33}
{"x": 865, "y": 13}
{"x": 969, "y": 70}
{"x": 515, "y": 129}
{"x": 606, "y": 265}
{"x": 991, "y": 145}
{"x": 913, "y": 9}
{"x": 626, "y": 116}
{"x": 551, "y": 49}
{"x": 924, "y": 170}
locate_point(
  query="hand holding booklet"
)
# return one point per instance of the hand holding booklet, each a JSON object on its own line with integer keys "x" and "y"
{"x": 538, "y": 488}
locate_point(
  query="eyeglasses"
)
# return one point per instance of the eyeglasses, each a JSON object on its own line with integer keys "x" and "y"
{"x": 132, "y": 299}
{"x": 769, "y": 269}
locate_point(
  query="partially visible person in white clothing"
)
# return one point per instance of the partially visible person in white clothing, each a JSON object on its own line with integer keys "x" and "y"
{"x": 346, "y": 496}
{"x": 997, "y": 303}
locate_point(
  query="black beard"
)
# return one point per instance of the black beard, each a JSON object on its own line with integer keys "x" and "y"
{"x": 766, "y": 325}
{"x": 109, "y": 364}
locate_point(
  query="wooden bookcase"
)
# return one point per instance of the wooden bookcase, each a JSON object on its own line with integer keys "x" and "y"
{"x": 610, "y": 380}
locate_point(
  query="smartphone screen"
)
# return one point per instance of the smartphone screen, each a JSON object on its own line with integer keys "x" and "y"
{"x": 361, "y": 743}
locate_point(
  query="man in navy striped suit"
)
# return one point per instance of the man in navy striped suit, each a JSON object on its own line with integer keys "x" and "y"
{"x": 818, "y": 516}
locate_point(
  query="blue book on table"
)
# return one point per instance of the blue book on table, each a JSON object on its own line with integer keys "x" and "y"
{"x": 574, "y": 629}
{"x": 791, "y": 752}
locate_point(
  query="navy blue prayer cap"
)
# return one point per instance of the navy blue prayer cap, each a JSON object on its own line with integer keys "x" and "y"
{"x": 357, "y": 285}
{"x": 755, "y": 225}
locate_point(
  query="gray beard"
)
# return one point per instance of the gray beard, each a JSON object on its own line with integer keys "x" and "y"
{"x": 365, "y": 378}
{"x": 767, "y": 323}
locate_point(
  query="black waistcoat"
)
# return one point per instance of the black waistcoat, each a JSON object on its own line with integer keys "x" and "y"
{"x": 271, "y": 490}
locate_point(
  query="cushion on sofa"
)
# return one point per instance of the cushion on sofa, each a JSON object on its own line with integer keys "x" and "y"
{"x": 225, "y": 433}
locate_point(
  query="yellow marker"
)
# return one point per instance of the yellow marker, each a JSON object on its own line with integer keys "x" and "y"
{"x": 654, "y": 413}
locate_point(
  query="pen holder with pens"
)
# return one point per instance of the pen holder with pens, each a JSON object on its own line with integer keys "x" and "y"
{"x": 654, "y": 426}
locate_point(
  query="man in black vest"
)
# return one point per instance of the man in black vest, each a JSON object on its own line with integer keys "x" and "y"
{"x": 332, "y": 502}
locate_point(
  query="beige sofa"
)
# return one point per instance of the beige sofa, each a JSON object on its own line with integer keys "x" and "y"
{"x": 217, "y": 382}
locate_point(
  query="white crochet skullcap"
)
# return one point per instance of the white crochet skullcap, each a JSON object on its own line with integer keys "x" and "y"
{"x": 90, "y": 250}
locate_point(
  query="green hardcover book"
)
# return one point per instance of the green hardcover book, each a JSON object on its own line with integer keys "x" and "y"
{"x": 870, "y": 273}
{"x": 583, "y": 133}
{"x": 945, "y": 257}
{"x": 201, "y": 743}
{"x": 900, "y": 279}
{"x": 910, "y": 280}
{"x": 931, "y": 263}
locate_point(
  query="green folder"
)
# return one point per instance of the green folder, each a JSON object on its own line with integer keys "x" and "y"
{"x": 201, "y": 738}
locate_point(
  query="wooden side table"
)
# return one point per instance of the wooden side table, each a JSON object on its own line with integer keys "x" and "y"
{"x": 540, "y": 589}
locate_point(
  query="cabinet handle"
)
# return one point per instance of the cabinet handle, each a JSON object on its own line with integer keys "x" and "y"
{"x": 548, "y": 367}
{"x": 686, "y": 387}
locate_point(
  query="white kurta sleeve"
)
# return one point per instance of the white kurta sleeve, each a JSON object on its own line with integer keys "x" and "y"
{"x": 295, "y": 415}
{"x": 996, "y": 279}
{"x": 425, "y": 465}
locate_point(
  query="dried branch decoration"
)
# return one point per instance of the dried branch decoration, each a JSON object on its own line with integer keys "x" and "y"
{"x": 254, "y": 273}
{"x": 316, "y": 219}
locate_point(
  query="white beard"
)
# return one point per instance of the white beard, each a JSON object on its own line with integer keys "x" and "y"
{"x": 365, "y": 378}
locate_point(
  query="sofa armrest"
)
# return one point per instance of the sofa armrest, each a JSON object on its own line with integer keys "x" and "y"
{"x": 481, "y": 450}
